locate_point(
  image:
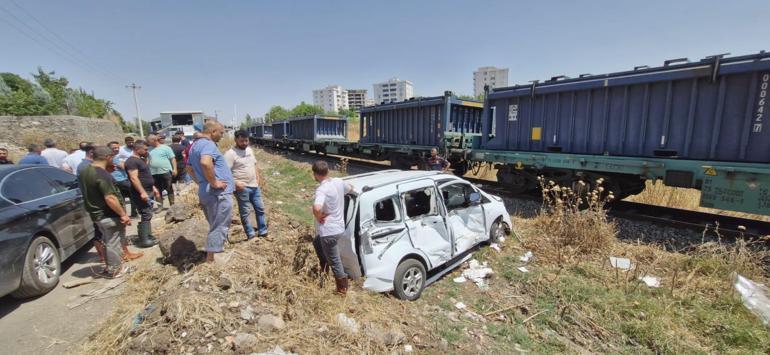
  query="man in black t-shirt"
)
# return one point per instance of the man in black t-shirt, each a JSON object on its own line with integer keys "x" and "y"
{"x": 103, "y": 202}
{"x": 142, "y": 192}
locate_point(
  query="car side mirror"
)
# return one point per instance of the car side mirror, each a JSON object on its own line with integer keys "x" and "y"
{"x": 474, "y": 198}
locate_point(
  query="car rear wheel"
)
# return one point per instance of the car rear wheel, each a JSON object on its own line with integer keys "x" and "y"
{"x": 497, "y": 231}
{"x": 42, "y": 267}
{"x": 410, "y": 280}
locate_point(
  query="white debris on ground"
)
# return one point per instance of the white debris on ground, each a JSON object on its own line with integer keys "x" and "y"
{"x": 348, "y": 323}
{"x": 525, "y": 258}
{"x": 276, "y": 351}
{"x": 523, "y": 269}
{"x": 651, "y": 281}
{"x": 408, "y": 348}
{"x": 754, "y": 296}
{"x": 495, "y": 246}
{"x": 621, "y": 263}
{"x": 461, "y": 306}
{"x": 459, "y": 279}
{"x": 478, "y": 272}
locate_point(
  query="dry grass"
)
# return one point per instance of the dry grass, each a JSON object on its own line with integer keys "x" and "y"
{"x": 353, "y": 130}
{"x": 570, "y": 301}
{"x": 572, "y": 222}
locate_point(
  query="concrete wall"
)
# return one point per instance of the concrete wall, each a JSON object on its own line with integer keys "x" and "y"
{"x": 67, "y": 131}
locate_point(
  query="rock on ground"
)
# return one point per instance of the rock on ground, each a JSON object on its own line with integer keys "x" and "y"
{"x": 179, "y": 212}
{"x": 184, "y": 242}
{"x": 270, "y": 322}
{"x": 245, "y": 342}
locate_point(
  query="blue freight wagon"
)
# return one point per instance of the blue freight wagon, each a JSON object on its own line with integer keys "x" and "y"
{"x": 280, "y": 129}
{"x": 713, "y": 109}
{"x": 697, "y": 125}
{"x": 405, "y": 132}
{"x": 261, "y": 130}
{"x": 421, "y": 121}
{"x": 317, "y": 128}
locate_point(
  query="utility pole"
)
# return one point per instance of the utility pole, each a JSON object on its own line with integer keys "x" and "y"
{"x": 133, "y": 88}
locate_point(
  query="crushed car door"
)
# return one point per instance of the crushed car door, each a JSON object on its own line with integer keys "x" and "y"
{"x": 424, "y": 220}
{"x": 465, "y": 219}
{"x": 384, "y": 239}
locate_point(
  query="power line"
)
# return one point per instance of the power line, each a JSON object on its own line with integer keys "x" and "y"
{"x": 61, "y": 39}
{"x": 58, "y": 49}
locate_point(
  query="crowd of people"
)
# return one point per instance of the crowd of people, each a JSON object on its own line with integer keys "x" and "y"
{"x": 143, "y": 170}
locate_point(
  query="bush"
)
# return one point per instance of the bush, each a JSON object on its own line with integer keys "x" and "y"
{"x": 572, "y": 222}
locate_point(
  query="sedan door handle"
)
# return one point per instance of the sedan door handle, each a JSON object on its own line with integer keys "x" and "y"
{"x": 43, "y": 208}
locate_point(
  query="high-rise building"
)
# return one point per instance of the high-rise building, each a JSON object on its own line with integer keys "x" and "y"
{"x": 393, "y": 90}
{"x": 357, "y": 99}
{"x": 494, "y": 77}
{"x": 332, "y": 98}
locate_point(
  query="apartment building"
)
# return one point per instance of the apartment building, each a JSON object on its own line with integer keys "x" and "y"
{"x": 393, "y": 90}
{"x": 357, "y": 99}
{"x": 494, "y": 77}
{"x": 332, "y": 98}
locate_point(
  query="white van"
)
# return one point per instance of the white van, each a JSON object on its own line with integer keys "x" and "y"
{"x": 405, "y": 229}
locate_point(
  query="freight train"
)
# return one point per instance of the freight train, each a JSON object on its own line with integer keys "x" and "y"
{"x": 688, "y": 124}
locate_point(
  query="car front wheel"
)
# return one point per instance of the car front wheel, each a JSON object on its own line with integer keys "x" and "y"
{"x": 42, "y": 267}
{"x": 497, "y": 231}
{"x": 410, "y": 280}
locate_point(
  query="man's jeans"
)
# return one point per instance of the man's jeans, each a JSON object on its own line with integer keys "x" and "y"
{"x": 251, "y": 196}
{"x": 218, "y": 210}
{"x": 329, "y": 249}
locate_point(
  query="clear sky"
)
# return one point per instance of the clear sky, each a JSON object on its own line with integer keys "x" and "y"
{"x": 212, "y": 55}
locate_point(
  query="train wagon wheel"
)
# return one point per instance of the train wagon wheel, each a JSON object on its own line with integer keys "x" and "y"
{"x": 460, "y": 167}
{"x": 515, "y": 181}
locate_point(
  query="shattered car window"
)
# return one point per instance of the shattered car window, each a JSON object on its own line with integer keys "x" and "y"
{"x": 385, "y": 211}
{"x": 419, "y": 203}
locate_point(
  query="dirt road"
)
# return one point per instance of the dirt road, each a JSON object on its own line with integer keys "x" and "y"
{"x": 54, "y": 323}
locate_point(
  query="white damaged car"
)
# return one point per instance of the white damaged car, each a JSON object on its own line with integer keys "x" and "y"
{"x": 406, "y": 229}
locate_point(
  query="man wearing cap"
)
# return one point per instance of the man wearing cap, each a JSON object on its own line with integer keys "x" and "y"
{"x": 53, "y": 155}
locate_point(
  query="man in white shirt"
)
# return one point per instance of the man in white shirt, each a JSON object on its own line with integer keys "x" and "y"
{"x": 241, "y": 161}
{"x": 72, "y": 161}
{"x": 127, "y": 150}
{"x": 328, "y": 210}
{"x": 54, "y": 156}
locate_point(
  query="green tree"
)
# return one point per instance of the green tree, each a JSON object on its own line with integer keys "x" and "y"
{"x": 349, "y": 113}
{"x": 470, "y": 97}
{"x": 24, "y": 98}
{"x": 276, "y": 113}
{"x": 247, "y": 122}
{"x": 304, "y": 109}
{"x": 56, "y": 88}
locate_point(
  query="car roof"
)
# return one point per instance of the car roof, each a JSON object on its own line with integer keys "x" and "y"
{"x": 7, "y": 169}
{"x": 367, "y": 181}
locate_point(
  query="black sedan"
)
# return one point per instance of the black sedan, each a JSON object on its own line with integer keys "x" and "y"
{"x": 42, "y": 223}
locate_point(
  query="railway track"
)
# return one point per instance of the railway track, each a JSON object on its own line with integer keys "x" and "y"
{"x": 727, "y": 226}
